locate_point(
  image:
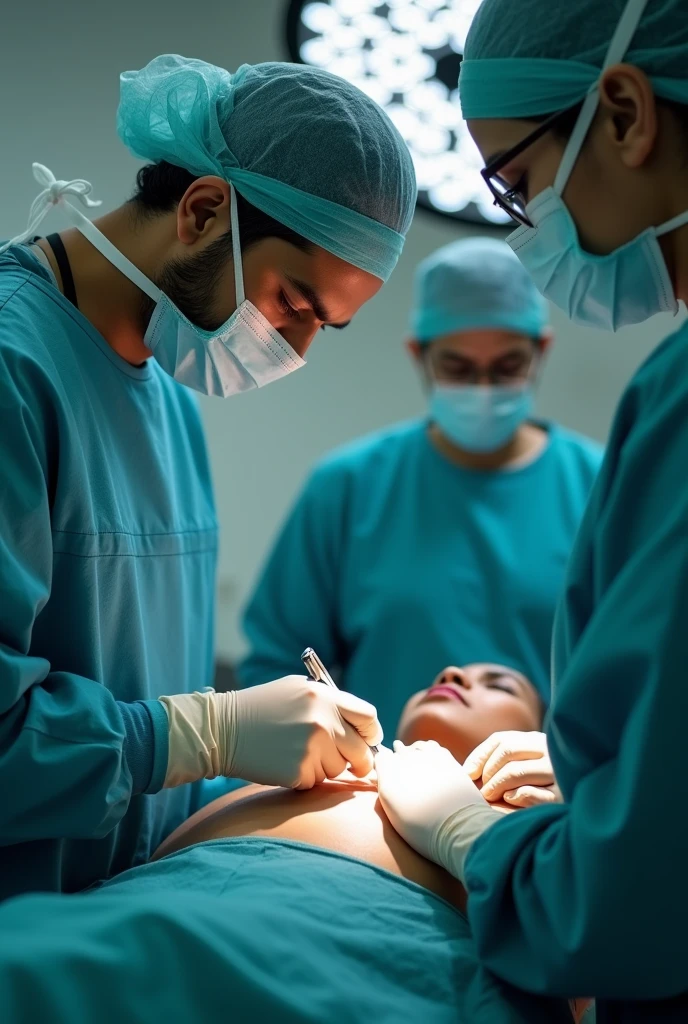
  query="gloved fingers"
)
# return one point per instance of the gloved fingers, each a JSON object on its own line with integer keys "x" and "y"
{"x": 516, "y": 774}
{"x": 532, "y": 796}
{"x": 310, "y": 774}
{"x": 476, "y": 760}
{"x": 514, "y": 746}
{"x": 332, "y": 761}
{"x": 361, "y": 715}
{"x": 352, "y": 748}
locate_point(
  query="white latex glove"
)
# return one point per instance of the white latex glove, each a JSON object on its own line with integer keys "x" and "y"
{"x": 432, "y": 802}
{"x": 291, "y": 732}
{"x": 515, "y": 767}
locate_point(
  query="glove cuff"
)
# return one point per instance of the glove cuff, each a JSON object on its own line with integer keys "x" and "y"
{"x": 455, "y": 837}
{"x": 195, "y": 738}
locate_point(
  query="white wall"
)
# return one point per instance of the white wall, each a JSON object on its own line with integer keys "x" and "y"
{"x": 59, "y": 67}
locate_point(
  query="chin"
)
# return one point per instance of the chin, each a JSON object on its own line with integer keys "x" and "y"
{"x": 435, "y": 721}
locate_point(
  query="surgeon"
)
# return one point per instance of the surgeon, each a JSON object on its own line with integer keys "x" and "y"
{"x": 581, "y": 114}
{"x": 275, "y": 205}
{"x": 442, "y": 538}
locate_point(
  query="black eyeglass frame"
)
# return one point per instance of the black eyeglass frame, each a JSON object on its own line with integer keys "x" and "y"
{"x": 491, "y": 170}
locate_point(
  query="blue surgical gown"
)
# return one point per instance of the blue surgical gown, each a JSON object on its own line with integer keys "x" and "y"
{"x": 589, "y": 896}
{"x": 107, "y": 564}
{"x": 395, "y": 563}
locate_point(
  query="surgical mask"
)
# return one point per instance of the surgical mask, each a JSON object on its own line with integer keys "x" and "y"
{"x": 480, "y": 417}
{"x": 245, "y": 352}
{"x": 627, "y": 286}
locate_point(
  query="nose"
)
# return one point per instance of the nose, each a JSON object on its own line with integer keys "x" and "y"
{"x": 300, "y": 337}
{"x": 457, "y": 676}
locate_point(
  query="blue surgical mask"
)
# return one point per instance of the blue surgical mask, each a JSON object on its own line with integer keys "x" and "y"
{"x": 627, "y": 286}
{"x": 480, "y": 417}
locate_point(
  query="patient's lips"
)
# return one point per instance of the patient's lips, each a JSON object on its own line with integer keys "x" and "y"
{"x": 447, "y": 690}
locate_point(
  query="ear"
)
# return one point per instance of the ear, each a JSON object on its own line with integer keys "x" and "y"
{"x": 545, "y": 340}
{"x": 203, "y": 213}
{"x": 416, "y": 350}
{"x": 629, "y": 101}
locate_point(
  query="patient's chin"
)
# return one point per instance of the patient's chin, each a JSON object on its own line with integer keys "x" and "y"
{"x": 434, "y": 721}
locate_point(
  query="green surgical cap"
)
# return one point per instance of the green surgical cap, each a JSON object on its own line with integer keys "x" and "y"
{"x": 475, "y": 284}
{"x": 533, "y": 57}
{"x": 307, "y": 148}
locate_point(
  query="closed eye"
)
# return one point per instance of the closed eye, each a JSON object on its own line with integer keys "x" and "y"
{"x": 504, "y": 687}
{"x": 519, "y": 191}
{"x": 286, "y": 305}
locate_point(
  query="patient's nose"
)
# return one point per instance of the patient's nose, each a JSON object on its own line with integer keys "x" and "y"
{"x": 457, "y": 676}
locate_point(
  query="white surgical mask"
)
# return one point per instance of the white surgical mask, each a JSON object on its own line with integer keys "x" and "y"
{"x": 628, "y": 285}
{"x": 480, "y": 417}
{"x": 245, "y": 352}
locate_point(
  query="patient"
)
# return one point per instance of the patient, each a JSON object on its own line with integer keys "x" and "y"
{"x": 461, "y": 709}
{"x": 276, "y": 905}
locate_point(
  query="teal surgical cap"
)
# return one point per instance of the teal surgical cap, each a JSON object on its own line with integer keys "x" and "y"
{"x": 475, "y": 284}
{"x": 307, "y": 148}
{"x": 534, "y": 57}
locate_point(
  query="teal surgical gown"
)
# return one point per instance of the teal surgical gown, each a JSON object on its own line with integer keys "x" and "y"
{"x": 107, "y": 564}
{"x": 395, "y": 563}
{"x": 590, "y": 896}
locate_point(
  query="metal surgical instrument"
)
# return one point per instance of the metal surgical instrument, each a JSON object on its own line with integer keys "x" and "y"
{"x": 317, "y": 671}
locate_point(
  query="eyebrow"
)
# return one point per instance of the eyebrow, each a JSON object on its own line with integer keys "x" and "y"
{"x": 458, "y": 357}
{"x": 315, "y": 302}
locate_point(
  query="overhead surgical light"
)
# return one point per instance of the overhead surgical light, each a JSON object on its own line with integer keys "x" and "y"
{"x": 405, "y": 54}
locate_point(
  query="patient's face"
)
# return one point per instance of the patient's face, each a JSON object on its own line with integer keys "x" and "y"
{"x": 466, "y": 705}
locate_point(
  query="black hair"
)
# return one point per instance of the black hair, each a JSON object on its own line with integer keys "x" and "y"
{"x": 160, "y": 187}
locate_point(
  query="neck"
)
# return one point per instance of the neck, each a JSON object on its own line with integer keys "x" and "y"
{"x": 109, "y": 300}
{"x": 527, "y": 442}
{"x": 675, "y": 249}
{"x": 674, "y": 245}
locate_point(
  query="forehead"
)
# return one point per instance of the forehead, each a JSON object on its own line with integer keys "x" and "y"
{"x": 480, "y": 346}
{"x": 342, "y": 286}
{"x": 495, "y": 136}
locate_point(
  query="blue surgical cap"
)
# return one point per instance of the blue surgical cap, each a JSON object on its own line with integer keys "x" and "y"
{"x": 307, "y": 148}
{"x": 474, "y": 284}
{"x": 538, "y": 56}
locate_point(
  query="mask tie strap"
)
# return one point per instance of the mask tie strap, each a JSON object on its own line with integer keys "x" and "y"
{"x": 236, "y": 248}
{"x": 53, "y": 194}
{"x": 111, "y": 253}
{"x": 618, "y": 46}
{"x": 676, "y": 222}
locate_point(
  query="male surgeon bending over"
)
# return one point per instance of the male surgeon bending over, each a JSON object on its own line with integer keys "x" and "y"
{"x": 276, "y": 204}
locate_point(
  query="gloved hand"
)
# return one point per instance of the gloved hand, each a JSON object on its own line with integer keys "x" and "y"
{"x": 290, "y": 732}
{"x": 515, "y": 767}
{"x": 432, "y": 802}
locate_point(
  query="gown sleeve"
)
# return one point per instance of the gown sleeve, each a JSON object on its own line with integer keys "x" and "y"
{"x": 588, "y": 897}
{"x": 71, "y": 756}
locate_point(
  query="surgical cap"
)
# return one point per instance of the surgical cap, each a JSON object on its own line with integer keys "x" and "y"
{"x": 307, "y": 148}
{"x": 474, "y": 284}
{"x": 534, "y": 57}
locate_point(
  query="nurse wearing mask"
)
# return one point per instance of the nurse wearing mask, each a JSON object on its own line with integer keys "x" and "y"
{"x": 581, "y": 114}
{"x": 445, "y": 537}
{"x": 276, "y": 204}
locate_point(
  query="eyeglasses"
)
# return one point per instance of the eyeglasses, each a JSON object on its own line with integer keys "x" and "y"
{"x": 512, "y": 370}
{"x": 505, "y": 195}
